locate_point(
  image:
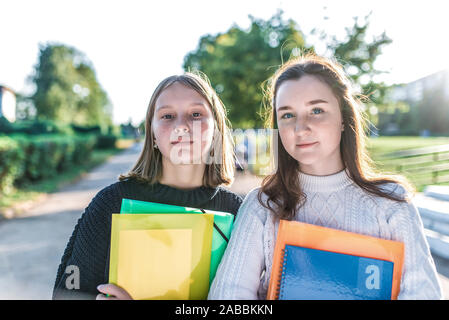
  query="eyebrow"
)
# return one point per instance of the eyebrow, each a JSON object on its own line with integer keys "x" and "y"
{"x": 167, "y": 106}
{"x": 316, "y": 101}
{"x": 310, "y": 103}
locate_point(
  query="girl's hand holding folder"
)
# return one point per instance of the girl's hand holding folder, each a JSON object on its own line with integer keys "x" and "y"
{"x": 114, "y": 292}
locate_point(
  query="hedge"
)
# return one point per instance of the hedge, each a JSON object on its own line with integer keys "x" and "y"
{"x": 26, "y": 158}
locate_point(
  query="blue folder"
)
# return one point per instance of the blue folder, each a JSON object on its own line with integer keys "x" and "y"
{"x": 311, "y": 274}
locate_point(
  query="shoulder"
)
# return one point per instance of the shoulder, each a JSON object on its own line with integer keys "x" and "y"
{"x": 391, "y": 188}
{"x": 233, "y": 200}
{"x": 404, "y": 210}
{"x": 394, "y": 188}
{"x": 224, "y": 192}
{"x": 253, "y": 195}
{"x": 109, "y": 191}
{"x": 110, "y": 197}
{"x": 251, "y": 205}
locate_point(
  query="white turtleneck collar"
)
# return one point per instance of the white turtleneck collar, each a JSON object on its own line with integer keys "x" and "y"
{"x": 330, "y": 183}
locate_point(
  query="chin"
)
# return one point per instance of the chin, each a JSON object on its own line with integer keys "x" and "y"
{"x": 305, "y": 159}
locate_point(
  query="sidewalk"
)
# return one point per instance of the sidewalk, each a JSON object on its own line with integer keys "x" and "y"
{"x": 31, "y": 246}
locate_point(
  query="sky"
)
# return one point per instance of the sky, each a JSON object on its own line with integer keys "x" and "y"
{"x": 133, "y": 44}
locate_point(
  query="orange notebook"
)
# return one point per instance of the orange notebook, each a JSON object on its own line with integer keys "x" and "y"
{"x": 317, "y": 239}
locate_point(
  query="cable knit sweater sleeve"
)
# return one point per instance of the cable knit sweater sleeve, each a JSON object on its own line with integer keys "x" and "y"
{"x": 239, "y": 273}
{"x": 419, "y": 275}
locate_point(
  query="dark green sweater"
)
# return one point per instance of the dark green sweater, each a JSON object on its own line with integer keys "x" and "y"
{"x": 88, "y": 247}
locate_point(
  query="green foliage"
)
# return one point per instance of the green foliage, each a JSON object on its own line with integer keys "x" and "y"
{"x": 5, "y": 125}
{"x": 87, "y": 129}
{"x": 34, "y": 127}
{"x": 67, "y": 89}
{"x": 106, "y": 141}
{"x": 11, "y": 159}
{"x": 357, "y": 55}
{"x": 25, "y": 158}
{"x": 239, "y": 61}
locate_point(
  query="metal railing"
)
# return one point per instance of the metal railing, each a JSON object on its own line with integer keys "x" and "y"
{"x": 436, "y": 226}
{"x": 428, "y": 165}
{"x": 424, "y": 166}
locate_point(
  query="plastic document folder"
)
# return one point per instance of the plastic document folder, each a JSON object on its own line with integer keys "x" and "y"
{"x": 223, "y": 223}
{"x": 317, "y": 263}
{"x": 161, "y": 257}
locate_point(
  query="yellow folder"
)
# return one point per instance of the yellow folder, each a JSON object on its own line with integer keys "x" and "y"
{"x": 158, "y": 256}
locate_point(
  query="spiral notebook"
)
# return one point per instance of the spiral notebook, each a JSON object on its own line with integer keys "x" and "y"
{"x": 308, "y": 275}
{"x": 317, "y": 263}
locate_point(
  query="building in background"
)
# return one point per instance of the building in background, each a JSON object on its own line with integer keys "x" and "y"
{"x": 414, "y": 91}
{"x": 420, "y": 107}
{"x": 7, "y": 103}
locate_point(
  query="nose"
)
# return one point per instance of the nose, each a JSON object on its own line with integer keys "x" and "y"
{"x": 302, "y": 126}
{"x": 181, "y": 128}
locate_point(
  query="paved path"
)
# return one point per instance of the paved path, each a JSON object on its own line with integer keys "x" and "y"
{"x": 31, "y": 246}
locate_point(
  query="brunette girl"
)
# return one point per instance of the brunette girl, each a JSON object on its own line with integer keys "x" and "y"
{"x": 323, "y": 177}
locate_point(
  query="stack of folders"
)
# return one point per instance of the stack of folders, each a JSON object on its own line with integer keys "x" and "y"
{"x": 317, "y": 263}
{"x": 166, "y": 252}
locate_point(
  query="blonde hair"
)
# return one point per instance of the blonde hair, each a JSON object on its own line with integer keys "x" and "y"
{"x": 148, "y": 167}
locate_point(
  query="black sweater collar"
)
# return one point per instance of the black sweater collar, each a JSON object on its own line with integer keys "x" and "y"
{"x": 197, "y": 197}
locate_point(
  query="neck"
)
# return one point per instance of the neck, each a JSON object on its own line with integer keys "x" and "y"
{"x": 326, "y": 167}
{"x": 183, "y": 176}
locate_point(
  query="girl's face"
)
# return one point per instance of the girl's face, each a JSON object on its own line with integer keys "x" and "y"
{"x": 183, "y": 125}
{"x": 310, "y": 124}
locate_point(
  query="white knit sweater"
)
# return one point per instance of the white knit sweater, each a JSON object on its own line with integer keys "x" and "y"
{"x": 333, "y": 201}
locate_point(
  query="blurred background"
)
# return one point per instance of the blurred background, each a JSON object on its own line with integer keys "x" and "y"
{"x": 76, "y": 78}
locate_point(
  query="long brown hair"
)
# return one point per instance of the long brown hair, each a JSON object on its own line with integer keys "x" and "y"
{"x": 283, "y": 187}
{"x": 220, "y": 170}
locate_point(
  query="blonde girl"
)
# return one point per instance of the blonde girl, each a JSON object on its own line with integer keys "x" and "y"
{"x": 186, "y": 158}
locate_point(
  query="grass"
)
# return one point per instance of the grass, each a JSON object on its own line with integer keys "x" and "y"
{"x": 383, "y": 145}
{"x": 15, "y": 202}
{"x": 379, "y": 147}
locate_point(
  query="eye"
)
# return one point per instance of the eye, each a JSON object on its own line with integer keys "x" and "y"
{"x": 167, "y": 116}
{"x": 196, "y": 114}
{"x": 317, "y": 110}
{"x": 287, "y": 116}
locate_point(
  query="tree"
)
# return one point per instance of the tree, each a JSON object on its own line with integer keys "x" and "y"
{"x": 239, "y": 61}
{"x": 357, "y": 55}
{"x": 67, "y": 89}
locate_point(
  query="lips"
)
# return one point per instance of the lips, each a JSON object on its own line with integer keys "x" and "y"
{"x": 183, "y": 142}
{"x": 306, "y": 144}
{"x": 186, "y": 140}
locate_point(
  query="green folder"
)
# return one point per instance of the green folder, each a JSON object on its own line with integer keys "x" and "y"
{"x": 223, "y": 223}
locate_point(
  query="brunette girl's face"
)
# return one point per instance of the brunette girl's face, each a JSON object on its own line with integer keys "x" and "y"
{"x": 183, "y": 125}
{"x": 310, "y": 124}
